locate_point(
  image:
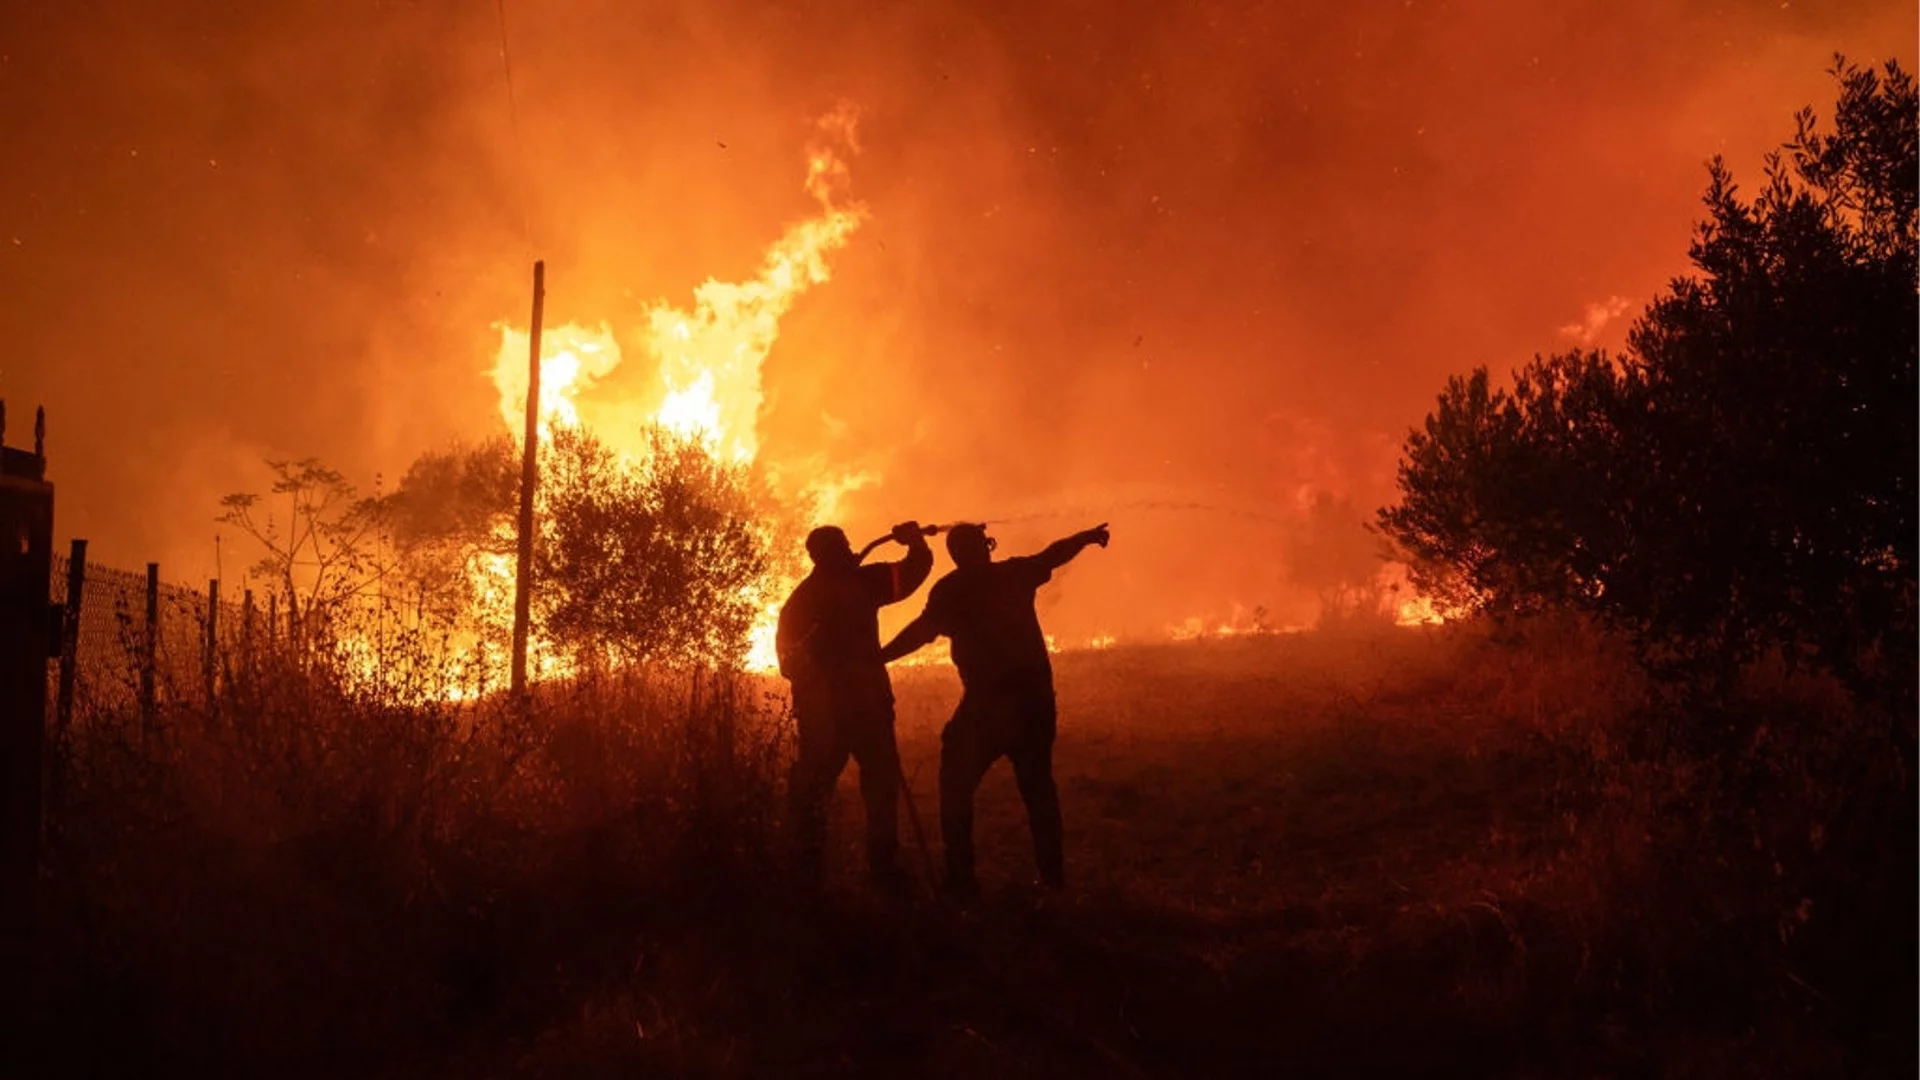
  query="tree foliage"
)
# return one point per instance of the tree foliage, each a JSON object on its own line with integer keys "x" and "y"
{"x": 654, "y": 561}
{"x": 452, "y": 508}
{"x": 657, "y": 559}
{"x": 1743, "y": 478}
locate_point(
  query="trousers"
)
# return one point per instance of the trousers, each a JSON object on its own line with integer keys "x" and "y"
{"x": 837, "y": 720}
{"x": 1017, "y": 722}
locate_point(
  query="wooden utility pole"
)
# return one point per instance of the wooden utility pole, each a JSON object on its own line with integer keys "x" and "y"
{"x": 529, "y": 476}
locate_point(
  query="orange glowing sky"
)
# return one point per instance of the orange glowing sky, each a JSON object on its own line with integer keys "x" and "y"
{"x": 1116, "y": 253}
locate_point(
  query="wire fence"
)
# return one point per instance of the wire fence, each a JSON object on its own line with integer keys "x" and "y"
{"x": 132, "y": 642}
{"x": 133, "y": 646}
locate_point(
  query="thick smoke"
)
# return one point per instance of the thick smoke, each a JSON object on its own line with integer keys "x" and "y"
{"x": 1191, "y": 269}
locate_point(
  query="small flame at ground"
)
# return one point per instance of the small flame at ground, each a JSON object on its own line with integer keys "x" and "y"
{"x": 1408, "y": 606}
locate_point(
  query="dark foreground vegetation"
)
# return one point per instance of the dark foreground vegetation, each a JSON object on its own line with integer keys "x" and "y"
{"x": 1407, "y": 852}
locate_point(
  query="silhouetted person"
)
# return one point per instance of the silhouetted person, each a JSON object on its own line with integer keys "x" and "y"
{"x": 1006, "y": 704}
{"x": 829, "y": 647}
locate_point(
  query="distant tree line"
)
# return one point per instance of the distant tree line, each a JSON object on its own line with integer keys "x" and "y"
{"x": 1741, "y": 479}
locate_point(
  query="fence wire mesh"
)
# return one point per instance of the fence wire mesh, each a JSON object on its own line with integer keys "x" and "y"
{"x": 111, "y": 634}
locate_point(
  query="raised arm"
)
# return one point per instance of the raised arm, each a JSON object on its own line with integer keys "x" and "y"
{"x": 1062, "y": 551}
{"x": 892, "y": 582}
{"x": 913, "y": 636}
{"x": 911, "y": 572}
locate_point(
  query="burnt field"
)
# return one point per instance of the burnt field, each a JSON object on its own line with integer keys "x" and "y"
{"x": 1415, "y": 852}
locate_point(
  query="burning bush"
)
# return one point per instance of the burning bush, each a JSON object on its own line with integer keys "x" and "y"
{"x": 666, "y": 558}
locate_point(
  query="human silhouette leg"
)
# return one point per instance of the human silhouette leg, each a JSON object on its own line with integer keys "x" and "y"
{"x": 965, "y": 757}
{"x": 817, "y": 764}
{"x": 1032, "y": 755}
{"x": 878, "y": 756}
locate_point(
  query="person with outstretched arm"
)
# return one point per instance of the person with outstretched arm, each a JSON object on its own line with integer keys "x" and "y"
{"x": 985, "y": 608}
{"x": 828, "y": 644}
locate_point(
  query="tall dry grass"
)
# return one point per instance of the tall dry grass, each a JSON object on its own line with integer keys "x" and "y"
{"x": 310, "y": 875}
{"x": 1451, "y": 850}
{"x": 1736, "y": 888}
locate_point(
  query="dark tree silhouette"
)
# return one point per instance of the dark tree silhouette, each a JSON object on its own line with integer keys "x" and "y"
{"x": 655, "y": 561}
{"x": 450, "y": 505}
{"x": 1742, "y": 479}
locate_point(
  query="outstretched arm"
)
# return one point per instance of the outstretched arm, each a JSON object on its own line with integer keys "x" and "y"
{"x": 915, "y": 635}
{"x": 1062, "y": 551}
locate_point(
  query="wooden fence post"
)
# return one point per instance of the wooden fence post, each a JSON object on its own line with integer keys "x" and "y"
{"x": 70, "y": 635}
{"x": 212, "y": 650}
{"x": 149, "y": 650}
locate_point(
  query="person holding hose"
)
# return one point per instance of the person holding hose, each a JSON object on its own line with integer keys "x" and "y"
{"x": 1006, "y": 705}
{"x": 828, "y": 644}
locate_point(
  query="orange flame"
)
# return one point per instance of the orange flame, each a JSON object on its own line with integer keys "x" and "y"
{"x": 709, "y": 358}
{"x": 1408, "y": 606}
{"x": 572, "y": 359}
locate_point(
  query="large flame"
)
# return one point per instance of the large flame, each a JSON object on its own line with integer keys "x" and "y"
{"x": 572, "y": 359}
{"x": 708, "y": 358}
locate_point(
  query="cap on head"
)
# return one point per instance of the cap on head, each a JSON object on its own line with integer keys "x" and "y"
{"x": 968, "y": 544}
{"x": 828, "y": 546}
